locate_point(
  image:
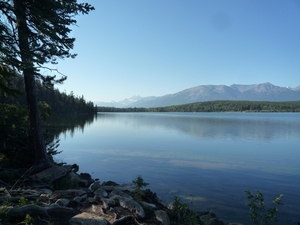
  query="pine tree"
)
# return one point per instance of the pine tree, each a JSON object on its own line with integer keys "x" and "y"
{"x": 34, "y": 34}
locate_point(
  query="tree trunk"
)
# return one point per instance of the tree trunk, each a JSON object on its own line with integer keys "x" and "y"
{"x": 41, "y": 157}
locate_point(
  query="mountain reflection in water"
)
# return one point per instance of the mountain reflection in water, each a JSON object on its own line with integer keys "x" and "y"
{"x": 210, "y": 159}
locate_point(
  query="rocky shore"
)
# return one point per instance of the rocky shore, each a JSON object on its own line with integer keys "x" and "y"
{"x": 60, "y": 196}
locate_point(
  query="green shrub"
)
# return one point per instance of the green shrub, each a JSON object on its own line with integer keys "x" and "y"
{"x": 28, "y": 220}
{"x": 15, "y": 142}
{"x": 258, "y": 213}
{"x": 23, "y": 201}
{"x": 16, "y": 147}
{"x": 180, "y": 214}
{"x": 138, "y": 192}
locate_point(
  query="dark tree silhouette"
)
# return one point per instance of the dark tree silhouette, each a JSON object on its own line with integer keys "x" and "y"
{"x": 34, "y": 34}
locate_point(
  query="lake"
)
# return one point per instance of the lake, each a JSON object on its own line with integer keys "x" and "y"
{"x": 208, "y": 160}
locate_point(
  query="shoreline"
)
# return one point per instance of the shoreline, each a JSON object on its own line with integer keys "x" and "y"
{"x": 87, "y": 199}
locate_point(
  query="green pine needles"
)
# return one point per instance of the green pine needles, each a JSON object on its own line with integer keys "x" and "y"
{"x": 138, "y": 192}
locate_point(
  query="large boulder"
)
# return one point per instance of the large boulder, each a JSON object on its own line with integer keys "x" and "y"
{"x": 88, "y": 219}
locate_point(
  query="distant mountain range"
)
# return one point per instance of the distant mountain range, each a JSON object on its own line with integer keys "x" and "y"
{"x": 254, "y": 92}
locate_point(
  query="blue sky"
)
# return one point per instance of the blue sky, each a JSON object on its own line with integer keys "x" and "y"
{"x": 158, "y": 47}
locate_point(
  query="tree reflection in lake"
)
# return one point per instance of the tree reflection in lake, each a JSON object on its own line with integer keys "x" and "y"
{"x": 213, "y": 156}
{"x": 251, "y": 126}
{"x": 56, "y": 126}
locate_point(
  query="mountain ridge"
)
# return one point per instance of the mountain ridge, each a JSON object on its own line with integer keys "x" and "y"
{"x": 253, "y": 92}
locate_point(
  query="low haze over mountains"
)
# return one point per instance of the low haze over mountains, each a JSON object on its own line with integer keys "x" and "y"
{"x": 254, "y": 92}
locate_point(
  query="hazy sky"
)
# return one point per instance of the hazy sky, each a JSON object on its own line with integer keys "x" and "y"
{"x": 158, "y": 47}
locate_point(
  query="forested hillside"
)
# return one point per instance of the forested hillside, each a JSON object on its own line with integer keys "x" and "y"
{"x": 217, "y": 106}
{"x": 50, "y": 98}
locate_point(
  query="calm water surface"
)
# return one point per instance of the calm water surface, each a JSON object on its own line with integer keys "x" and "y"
{"x": 209, "y": 160}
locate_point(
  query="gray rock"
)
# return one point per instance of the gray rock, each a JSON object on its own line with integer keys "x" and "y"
{"x": 53, "y": 173}
{"x": 148, "y": 205}
{"x": 4, "y": 195}
{"x": 4, "y": 191}
{"x": 57, "y": 211}
{"x": 70, "y": 194}
{"x": 123, "y": 187}
{"x": 162, "y": 216}
{"x": 62, "y": 202}
{"x": 22, "y": 211}
{"x": 108, "y": 188}
{"x": 132, "y": 205}
{"x": 213, "y": 221}
{"x": 95, "y": 185}
{"x": 44, "y": 198}
{"x": 123, "y": 220}
{"x": 87, "y": 219}
{"x": 94, "y": 208}
{"x": 80, "y": 199}
{"x": 126, "y": 187}
{"x": 44, "y": 191}
{"x": 108, "y": 202}
{"x": 119, "y": 193}
{"x": 100, "y": 192}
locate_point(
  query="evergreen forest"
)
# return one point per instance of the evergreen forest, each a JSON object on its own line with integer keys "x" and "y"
{"x": 56, "y": 108}
{"x": 58, "y": 103}
{"x": 217, "y": 106}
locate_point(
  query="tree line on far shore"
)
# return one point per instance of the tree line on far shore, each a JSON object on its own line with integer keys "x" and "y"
{"x": 216, "y": 106}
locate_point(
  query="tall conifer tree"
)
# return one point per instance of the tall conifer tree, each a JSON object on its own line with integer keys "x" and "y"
{"x": 35, "y": 33}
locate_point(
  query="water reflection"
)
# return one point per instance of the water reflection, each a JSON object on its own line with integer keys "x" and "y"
{"x": 214, "y": 157}
{"x": 246, "y": 126}
{"x": 55, "y": 126}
